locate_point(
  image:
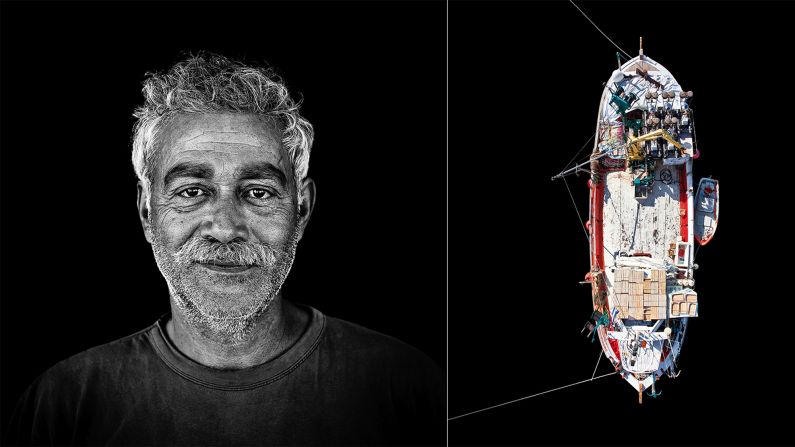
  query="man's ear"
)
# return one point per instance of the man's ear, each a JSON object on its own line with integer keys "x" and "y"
{"x": 306, "y": 204}
{"x": 143, "y": 211}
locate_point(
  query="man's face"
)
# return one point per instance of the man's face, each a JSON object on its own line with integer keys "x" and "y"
{"x": 223, "y": 220}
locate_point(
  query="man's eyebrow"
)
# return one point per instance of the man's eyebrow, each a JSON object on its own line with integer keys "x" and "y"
{"x": 261, "y": 171}
{"x": 188, "y": 169}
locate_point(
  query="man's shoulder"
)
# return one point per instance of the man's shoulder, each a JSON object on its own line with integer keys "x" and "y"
{"x": 370, "y": 362}
{"x": 109, "y": 358}
{"x": 372, "y": 346}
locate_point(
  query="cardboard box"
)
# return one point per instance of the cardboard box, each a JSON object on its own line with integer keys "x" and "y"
{"x": 693, "y": 307}
{"x": 677, "y": 297}
{"x": 692, "y": 298}
{"x": 675, "y": 309}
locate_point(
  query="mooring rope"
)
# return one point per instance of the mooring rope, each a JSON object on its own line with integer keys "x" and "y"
{"x": 533, "y": 395}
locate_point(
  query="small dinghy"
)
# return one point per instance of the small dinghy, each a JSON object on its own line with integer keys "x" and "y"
{"x": 706, "y": 218}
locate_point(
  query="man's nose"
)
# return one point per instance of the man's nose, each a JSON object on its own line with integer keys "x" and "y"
{"x": 226, "y": 222}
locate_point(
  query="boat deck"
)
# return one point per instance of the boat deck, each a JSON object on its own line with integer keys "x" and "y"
{"x": 647, "y": 225}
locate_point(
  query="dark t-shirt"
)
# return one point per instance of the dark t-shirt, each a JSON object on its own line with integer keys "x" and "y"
{"x": 338, "y": 384}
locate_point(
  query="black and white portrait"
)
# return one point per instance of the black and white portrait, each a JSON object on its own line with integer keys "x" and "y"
{"x": 233, "y": 227}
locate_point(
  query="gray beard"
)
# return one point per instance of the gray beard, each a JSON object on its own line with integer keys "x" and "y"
{"x": 223, "y": 308}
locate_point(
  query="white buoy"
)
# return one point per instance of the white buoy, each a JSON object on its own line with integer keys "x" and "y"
{"x": 667, "y": 332}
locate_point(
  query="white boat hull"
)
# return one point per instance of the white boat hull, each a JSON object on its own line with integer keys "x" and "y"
{"x": 641, "y": 222}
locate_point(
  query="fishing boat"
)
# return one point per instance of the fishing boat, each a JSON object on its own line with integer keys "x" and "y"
{"x": 644, "y": 220}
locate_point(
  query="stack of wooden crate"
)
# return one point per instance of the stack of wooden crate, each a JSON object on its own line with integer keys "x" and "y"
{"x": 684, "y": 303}
{"x": 640, "y": 296}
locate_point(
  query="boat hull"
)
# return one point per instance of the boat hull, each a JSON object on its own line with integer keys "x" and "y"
{"x": 641, "y": 222}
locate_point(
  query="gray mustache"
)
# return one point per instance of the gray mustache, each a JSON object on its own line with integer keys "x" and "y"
{"x": 201, "y": 250}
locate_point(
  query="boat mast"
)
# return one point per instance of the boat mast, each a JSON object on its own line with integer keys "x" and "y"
{"x": 578, "y": 168}
{"x": 641, "y": 47}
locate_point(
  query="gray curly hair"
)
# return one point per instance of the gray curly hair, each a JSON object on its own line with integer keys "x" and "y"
{"x": 207, "y": 83}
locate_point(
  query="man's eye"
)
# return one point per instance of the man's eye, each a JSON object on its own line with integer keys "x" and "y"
{"x": 258, "y": 193}
{"x": 191, "y": 192}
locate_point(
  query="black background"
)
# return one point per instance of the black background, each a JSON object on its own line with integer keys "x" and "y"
{"x": 525, "y": 82}
{"x": 76, "y": 270}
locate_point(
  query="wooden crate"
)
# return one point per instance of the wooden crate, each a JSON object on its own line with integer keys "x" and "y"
{"x": 675, "y": 308}
{"x": 624, "y": 297}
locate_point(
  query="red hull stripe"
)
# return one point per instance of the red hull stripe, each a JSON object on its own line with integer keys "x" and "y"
{"x": 597, "y": 224}
{"x": 683, "y": 227}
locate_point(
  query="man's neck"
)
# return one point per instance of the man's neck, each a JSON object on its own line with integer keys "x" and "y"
{"x": 273, "y": 333}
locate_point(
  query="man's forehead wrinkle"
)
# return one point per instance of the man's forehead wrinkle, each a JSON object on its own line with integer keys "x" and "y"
{"x": 228, "y": 137}
{"x": 222, "y": 140}
{"x": 202, "y": 132}
{"x": 226, "y": 153}
{"x": 256, "y": 146}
